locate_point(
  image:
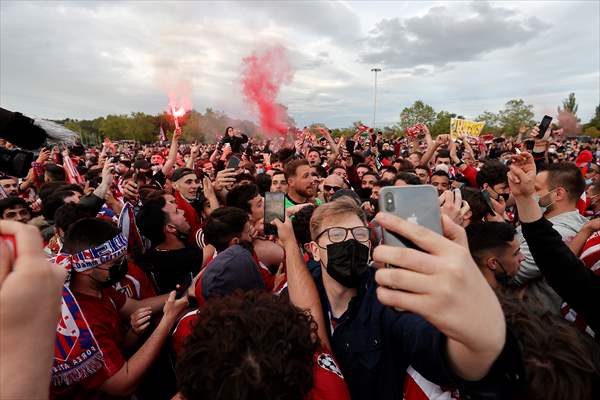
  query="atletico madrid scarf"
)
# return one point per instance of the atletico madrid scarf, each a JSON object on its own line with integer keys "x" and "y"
{"x": 77, "y": 354}
{"x": 76, "y": 351}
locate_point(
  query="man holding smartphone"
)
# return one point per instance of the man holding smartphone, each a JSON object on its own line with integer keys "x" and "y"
{"x": 436, "y": 334}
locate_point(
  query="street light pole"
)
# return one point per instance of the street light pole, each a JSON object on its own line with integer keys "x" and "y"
{"x": 376, "y": 70}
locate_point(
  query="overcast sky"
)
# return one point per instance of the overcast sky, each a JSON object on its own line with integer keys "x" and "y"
{"x": 89, "y": 59}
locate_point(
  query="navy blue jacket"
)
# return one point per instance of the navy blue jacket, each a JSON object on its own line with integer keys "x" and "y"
{"x": 375, "y": 344}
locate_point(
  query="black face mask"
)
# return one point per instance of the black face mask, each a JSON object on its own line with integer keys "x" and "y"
{"x": 347, "y": 262}
{"x": 116, "y": 273}
{"x": 375, "y": 204}
{"x": 505, "y": 196}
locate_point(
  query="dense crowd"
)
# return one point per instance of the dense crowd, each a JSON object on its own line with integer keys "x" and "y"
{"x": 166, "y": 282}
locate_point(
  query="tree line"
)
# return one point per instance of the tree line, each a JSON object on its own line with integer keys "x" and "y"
{"x": 207, "y": 126}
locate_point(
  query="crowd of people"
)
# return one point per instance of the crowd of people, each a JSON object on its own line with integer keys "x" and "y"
{"x": 146, "y": 271}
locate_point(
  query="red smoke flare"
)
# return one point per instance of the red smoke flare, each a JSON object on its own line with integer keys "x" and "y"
{"x": 263, "y": 75}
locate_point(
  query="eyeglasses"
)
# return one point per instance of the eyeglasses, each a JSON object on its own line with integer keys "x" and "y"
{"x": 338, "y": 234}
{"x": 328, "y": 188}
{"x": 13, "y": 214}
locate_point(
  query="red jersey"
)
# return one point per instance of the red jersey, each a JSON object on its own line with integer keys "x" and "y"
{"x": 590, "y": 255}
{"x": 328, "y": 381}
{"x": 102, "y": 315}
{"x": 136, "y": 284}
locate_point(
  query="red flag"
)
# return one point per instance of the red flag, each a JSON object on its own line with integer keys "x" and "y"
{"x": 71, "y": 172}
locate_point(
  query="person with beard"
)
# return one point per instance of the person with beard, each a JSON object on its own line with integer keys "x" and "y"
{"x": 301, "y": 183}
{"x": 558, "y": 187}
{"x": 171, "y": 260}
{"x": 91, "y": 283}
{"x": 375, "y": 343}
{"x": 496, "y": 251}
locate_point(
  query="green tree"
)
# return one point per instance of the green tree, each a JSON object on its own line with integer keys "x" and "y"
{"x": 515, "y": 114}
{"x": 141, "y": 127}
{"x": 569, "y": 105}
{"x": 492, "y": 122}
{"x": 114, "y": 127}
{"x": 595, "y": 121}
{"x": 441, "y": 125}
{"x": 419, "y": 112}
{"x": 192, "y": 129}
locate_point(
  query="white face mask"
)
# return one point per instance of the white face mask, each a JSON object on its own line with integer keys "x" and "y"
{"x": 544, "y": 209}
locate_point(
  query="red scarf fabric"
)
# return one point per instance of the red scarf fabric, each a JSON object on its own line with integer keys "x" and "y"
{"x": 190, "y": 214}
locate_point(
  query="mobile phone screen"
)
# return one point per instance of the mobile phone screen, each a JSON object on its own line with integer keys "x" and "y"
{"x": 350, "y": 146}
{"x": 274, "y": 209}
{"x": 418, "y": 204}
{"x": 233, "y": 162}
{"x": 486, "y": 197}
{"x": 544, "y": 126}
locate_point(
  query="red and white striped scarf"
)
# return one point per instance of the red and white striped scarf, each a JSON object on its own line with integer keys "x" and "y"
{"x": 73, "y": 175}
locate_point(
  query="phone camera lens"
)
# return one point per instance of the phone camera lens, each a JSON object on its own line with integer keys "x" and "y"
{"x": 389, "y": 202}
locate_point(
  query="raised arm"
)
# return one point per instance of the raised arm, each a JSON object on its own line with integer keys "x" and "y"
{"x": 565, "y": 272}
{"x": 301, "y": 286}
{"x": 576, "y": 244}
{"x": 432, "y": 147}
{"x": 128, "y": 377}
{"x": 166, "y": 169}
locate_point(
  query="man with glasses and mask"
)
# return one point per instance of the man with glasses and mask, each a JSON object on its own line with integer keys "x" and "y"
{"x": 558, "y": 188}
{"x": 96, "y": 252}
{"x": 374, "y": 343}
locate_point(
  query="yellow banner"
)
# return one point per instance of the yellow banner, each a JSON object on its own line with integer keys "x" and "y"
{"x": 463, "y": 126}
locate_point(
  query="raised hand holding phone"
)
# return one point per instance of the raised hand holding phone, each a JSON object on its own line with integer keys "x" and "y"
{"x": 442, "y": 283}
{"x": 274, "y": 209}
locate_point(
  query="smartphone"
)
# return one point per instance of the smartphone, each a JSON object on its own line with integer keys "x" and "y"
{"x": 350, "y": 146}
{"x": 488, "y": 202}
{"x": 418, "y": 204}
{"x": 544, "y": 126}
{"x": 274, "y": 209}
{"x": 529, "y": 144}
{"x": 233, "y": 162}
{"x": 183, "y": 288}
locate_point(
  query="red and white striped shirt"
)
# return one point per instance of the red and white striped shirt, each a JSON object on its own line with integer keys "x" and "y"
{"x": 590, "y": 255}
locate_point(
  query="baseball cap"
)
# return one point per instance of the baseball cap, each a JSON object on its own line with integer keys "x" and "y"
{"x": 232, "y": 269}
{"x": 180, "y": 173}
{"x": 142, "y": 164}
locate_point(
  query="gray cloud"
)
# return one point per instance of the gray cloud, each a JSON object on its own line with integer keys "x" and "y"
{"x": 87, "y": 59}
{"x": 442, "y": 36}
{"x": 327, "y": 18}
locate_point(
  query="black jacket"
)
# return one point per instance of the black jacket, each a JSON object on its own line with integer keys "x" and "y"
{"x": 235, "y": 142}
{"x": 375, "y": 344}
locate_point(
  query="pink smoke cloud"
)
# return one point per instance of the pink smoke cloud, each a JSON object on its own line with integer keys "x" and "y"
{"x": 263, "y": 74}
